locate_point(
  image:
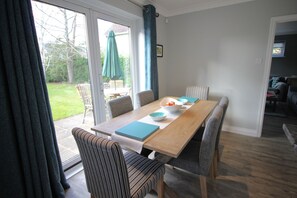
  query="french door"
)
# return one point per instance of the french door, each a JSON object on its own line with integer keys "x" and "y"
{"x": 114, "y": 42}
{"x": 63, "y": 48}
{"x": 73, "y": 47}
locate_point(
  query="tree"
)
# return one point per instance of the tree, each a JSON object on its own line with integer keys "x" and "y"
{"x": 70, "y": 43}
{"x": 58, "y": 25}
{"x": 57, "y": 70}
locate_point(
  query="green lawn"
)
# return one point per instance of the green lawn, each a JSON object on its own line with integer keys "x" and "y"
{"x": 65, "y": 100}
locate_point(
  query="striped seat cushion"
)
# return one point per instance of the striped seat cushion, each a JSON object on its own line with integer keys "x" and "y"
{"x": 143, "y": 173}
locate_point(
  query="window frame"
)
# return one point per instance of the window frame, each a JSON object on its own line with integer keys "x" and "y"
{"x": 283, "y": 48}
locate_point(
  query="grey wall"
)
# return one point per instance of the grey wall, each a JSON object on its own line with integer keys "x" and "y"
{"x": 223, "y": 48}
{"x": 162, "y": 67}
{"x": 286, "y": 66}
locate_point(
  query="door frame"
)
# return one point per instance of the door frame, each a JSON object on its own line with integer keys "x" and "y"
{"x": 273, "y": 23}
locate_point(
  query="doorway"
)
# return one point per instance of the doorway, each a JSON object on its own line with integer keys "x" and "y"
{"x": 63, "y": 50}
{"x": 72, "y": 54}
{"x": 275, "y": 21}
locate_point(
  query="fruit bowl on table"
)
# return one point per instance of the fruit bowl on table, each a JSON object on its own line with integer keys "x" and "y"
{"x": 171, "y": 105}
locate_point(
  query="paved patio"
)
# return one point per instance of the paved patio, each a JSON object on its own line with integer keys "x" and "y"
{"x": 67, "y": 145}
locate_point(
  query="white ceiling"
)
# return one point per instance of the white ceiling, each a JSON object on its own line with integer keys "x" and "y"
{"x": 176, "y": 7}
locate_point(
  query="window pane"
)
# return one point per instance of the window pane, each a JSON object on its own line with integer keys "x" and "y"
{"x": 278, "y": 49}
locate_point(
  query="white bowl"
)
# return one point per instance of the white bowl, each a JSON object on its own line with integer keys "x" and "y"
{"x": 158, "y": 116}
{"x": 171, "y": 109}
{"x": 182, "y": 100}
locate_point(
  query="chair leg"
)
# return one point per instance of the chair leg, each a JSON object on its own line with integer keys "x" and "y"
{"x": 84, "y": 115}
{"x": 218, "y": 155}
{"x": 160, "y": 187}
{"x": 211, "y": 170}
{"x": 203, "y": 186}
{"x": 215, "y": 165}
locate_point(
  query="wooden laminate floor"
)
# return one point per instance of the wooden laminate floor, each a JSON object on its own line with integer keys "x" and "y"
{"x": 249, "y": 167}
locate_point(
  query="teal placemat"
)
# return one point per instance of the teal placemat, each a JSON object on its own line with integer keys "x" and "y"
{"x": 190, "y": 99}
{"x": 137, "y": 130}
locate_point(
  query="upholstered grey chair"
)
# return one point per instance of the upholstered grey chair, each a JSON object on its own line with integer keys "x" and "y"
{"x": 197, "y": 157}
{"x": 111, "y": 174}
{"x": 120, "y": 106}
{"x": 200, "y": 92}
{"x": 224, "y": 102}
{"x": 144, "y": 97}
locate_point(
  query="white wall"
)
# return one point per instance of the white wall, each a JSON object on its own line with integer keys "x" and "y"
{"x": 223, "y": 48}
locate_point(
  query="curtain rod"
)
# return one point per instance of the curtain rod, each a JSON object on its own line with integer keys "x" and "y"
{"x": 141, "y": 6}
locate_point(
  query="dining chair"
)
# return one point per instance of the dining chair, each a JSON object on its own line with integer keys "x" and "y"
{"x": 84, "y": 91}
{"x": 224, "y": 103}
{"x": 144, "y": 97}
{"x": 200, "y": 92}
{"x": 119, "y": 106}
{"x": 197, "y": 157}
{"x": 111, "y": 174}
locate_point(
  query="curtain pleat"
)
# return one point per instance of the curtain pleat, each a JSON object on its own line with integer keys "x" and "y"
{"x": 150, "y": 37}
{"x": 33, "y": 166}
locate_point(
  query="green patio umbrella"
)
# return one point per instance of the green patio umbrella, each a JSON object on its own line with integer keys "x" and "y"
{"x": 112, "y": 68}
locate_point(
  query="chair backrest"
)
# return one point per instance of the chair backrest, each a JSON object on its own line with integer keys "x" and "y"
{"x": 208, "y": 141}
{"x": 224, "y": 102}
{"x": 104, "y": 165}
{"x": 84, "y": 91}
{"x": 120, "y": 106}
{"x": 144, "y": 97}
{"x": 200, "y": 92}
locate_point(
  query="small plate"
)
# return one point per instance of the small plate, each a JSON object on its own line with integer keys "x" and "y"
{"x": 158, "y": 116}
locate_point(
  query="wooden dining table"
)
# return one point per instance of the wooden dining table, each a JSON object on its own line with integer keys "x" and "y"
{"x": 170, "y": 140}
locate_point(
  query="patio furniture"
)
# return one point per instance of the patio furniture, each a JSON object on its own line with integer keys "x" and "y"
{"x": 84, "y": 91}
{"x": 110, "y": 173}
{"x": 119, "y": 106}
{"x": 144, "y": 97}
{"x": 198, "y": 157}
{"x": 200, "y": 92}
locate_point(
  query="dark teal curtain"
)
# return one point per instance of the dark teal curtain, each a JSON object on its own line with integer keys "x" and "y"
{"x": 151, "y": 67}
{"x": 30, "y": 164}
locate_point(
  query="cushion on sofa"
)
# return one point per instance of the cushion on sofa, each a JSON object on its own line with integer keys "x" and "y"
{"x": 277, "y": 79}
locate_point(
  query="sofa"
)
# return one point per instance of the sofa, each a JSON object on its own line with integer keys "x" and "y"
{"x": 280, "y": 86}
{"x": 292, "y": 98}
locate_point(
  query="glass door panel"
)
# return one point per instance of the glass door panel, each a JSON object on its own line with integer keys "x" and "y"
{"x": 115, "y": 59}
{"x": 62, "y": 43}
